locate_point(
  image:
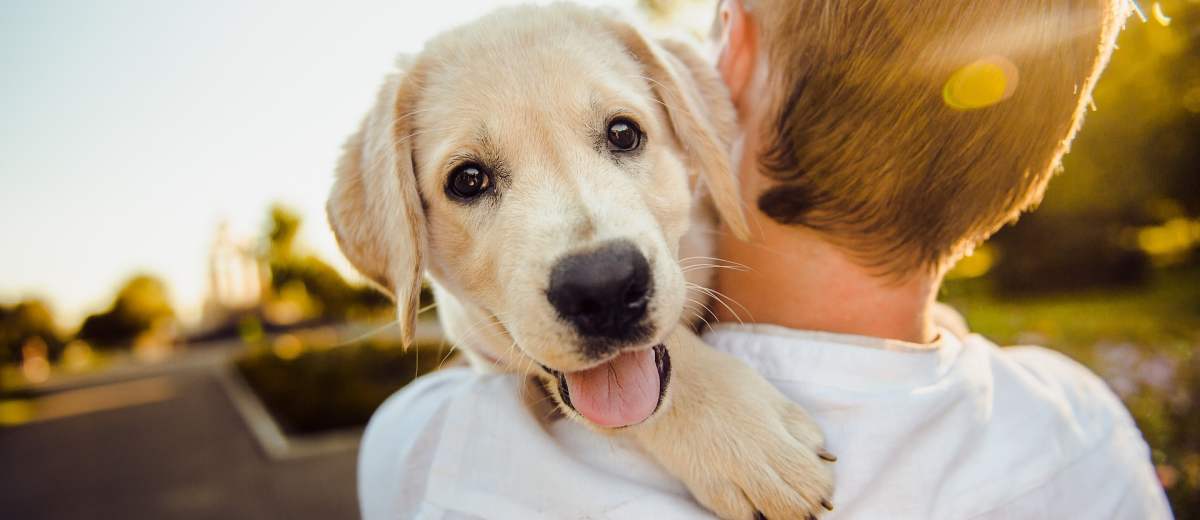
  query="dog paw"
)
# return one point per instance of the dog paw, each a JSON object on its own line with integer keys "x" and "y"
{"x": 743, "y": 449}
{"x": 772, "y": 468}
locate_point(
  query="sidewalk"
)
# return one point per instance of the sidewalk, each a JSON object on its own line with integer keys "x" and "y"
{"x": 174, "y": 440}
{"x": 185, "y": 454}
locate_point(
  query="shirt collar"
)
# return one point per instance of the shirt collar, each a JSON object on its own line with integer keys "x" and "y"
{"x": 839, "y": 360}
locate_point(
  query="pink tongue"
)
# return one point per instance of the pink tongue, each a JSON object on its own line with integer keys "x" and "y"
{"x": 622, "y": 392}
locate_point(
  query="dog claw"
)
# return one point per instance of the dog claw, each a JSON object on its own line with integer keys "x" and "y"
{"x": 759, "y": 516}
{"x": 825, "y": 455}
{"x": 825, "y": 504}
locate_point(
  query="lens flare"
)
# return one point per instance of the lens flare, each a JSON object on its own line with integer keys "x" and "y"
{"x": 1137, "y": 9}
{"x": 981, "y": 84}
{"x": 1160, "y": 16}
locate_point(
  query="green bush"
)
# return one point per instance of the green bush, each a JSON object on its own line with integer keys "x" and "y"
{"x": 336, "y": 387}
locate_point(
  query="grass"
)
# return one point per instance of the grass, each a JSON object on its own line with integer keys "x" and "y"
{"x": 1163, "y": 316}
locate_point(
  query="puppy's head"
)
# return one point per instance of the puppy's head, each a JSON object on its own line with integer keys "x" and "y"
{"x": 539, "y": 164}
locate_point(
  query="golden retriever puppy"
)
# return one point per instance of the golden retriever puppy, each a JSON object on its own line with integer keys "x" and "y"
{"x": 547, "y": 168}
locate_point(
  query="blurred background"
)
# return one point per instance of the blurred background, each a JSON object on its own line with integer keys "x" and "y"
{"x": 180, "y": 338}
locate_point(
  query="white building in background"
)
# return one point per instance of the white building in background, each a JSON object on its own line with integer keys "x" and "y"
{"x": 236, "y": 278}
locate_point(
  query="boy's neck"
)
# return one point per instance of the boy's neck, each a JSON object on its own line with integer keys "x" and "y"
{"x": 797, "y": 280}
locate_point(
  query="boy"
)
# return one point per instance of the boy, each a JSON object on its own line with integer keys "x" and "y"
{"x": 882, "y": 140}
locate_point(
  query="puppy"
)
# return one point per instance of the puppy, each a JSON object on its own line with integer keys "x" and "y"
{"x": 547, "y": 168}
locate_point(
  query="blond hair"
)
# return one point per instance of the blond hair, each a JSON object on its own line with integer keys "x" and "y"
{"x": 865, "y": 147}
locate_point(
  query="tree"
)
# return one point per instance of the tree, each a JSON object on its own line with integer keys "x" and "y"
{"x": 24, "y": 321}
{"x": 140, "y": 305}
{"x": 300, "y": 276}
{"x": 282, "y": 228}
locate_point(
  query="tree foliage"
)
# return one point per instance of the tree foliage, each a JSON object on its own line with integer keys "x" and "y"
{"x": 21, "y": 322}
{"x": 140, "y": 304}
{"x": 1132, "y": 166}
{"x": 299, "y": 275}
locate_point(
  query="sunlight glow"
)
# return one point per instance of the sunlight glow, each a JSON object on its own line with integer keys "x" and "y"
{"x": 981, "y": 84}
{"x": 975, "y": 264}
{"x": 1159, "y": 15}
{"x": 287, "y": 347}
{"x": 1176, "y": 236}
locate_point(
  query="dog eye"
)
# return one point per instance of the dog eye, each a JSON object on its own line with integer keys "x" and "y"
{"x": 624, "y": 135}
{"x": 469, "y": 181}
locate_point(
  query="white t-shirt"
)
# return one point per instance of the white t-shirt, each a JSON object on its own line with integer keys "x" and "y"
{"x": 956, "y": 430}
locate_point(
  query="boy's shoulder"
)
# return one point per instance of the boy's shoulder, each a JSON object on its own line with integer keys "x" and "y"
{"x": 1064, "y": 383}
{"x": 1042, "y": 378}
{"x": 1041, "y": 390}
{"x": 1049, "y": 407}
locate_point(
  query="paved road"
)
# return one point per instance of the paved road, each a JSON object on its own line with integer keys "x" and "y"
{"x": 185, "y": 455}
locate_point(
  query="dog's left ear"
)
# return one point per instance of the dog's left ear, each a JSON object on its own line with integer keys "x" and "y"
{"x": 701, "y": 113}
{"x": 374, "y": 208}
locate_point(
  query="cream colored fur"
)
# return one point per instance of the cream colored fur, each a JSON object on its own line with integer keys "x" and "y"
{"x": 530, "y": 89}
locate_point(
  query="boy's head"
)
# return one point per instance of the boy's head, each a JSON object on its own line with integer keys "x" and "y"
{"x": 905, "y": 131}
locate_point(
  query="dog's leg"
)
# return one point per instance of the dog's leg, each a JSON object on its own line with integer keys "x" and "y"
{"x": 740, "y": 446}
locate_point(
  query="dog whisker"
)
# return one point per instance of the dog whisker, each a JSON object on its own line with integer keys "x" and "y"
{"x": 723, "y": 296}
{"x": 450, "y": 348}
{"x": 698, "y": 267}
{"x": 699, "y": 315}
{"x": 711, "y": 293}
{"x": 720, "y": 298}
{"x": 369, "y": 334}
{"x": 700, "y": 305}
{"x": 713, "y": 259}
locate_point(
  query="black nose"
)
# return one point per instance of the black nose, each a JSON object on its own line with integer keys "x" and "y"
{"x": 603, "y": 293}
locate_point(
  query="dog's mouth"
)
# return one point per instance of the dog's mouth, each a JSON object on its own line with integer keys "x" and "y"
{"x": 623, "y": 391}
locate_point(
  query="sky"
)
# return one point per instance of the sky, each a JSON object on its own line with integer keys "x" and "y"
{"x": 129, "y": 130}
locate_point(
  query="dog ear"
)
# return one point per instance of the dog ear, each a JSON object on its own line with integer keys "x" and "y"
{"x": 701, "y": 114}
{"x": 374, "y": 207}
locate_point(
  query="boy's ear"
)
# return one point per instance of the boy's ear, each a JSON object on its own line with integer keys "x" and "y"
{"x": 374, "y": 208}
{"x": 738, "y": 41}
{"x": 700, "y": 112}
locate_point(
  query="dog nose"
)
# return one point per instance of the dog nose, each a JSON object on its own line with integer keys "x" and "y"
{"x": 602, "y": 293}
